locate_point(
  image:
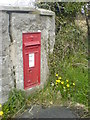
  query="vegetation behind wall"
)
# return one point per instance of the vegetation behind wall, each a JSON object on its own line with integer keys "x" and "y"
{"x": 70, "y": 56}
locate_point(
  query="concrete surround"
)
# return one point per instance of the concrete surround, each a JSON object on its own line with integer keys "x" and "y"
{"x": 13, "y": 22}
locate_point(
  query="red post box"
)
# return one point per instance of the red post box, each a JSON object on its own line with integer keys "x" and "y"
{"x": 31, "y": 59}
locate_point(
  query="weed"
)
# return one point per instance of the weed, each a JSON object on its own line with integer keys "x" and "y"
{"x": 15, "y": 102}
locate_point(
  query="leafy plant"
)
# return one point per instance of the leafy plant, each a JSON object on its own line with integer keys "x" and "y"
{"x": 64, "y": 11}
{"x": 15, "y": 102}
{"x": 66, "y": 87}
{"x": 69, "y": 59}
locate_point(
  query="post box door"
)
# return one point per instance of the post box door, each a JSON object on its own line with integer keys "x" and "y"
{"x": 31, "y": 60}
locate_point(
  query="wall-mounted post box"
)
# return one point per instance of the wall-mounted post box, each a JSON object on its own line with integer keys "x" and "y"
{"x": 31, "y": 59}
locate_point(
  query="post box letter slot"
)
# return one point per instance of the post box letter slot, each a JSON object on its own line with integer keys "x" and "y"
{"x": 31, "y": 44}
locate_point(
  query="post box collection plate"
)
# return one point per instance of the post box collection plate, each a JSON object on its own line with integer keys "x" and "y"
{"x": 31, "y": 58}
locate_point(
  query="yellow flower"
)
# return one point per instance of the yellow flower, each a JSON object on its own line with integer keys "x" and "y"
{"x": 74, "y": 84}
{"x": 67, "y": 85}
{"x": 59, "y": 78}
{"x": 1, "y": 113}
{"x": 62, "y": 82}
{"x": 0, "y": 105}
{"x": 57, "y": 75}
{"x": 58, "y": 81}
{"x": 67, "y": 80}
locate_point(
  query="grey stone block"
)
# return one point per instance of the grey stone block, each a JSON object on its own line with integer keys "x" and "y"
{"x": 14, "y": 22}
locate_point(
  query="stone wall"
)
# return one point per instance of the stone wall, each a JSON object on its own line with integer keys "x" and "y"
{"x": 14, "y": 22}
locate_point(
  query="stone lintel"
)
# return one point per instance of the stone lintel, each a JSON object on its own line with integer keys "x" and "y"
{"x": 27, "y": 9}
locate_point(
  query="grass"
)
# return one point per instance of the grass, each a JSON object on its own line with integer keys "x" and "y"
{"x": 81, "y": 80}
{"x": 15, "y": 103}
{"x": 69, "y": 60}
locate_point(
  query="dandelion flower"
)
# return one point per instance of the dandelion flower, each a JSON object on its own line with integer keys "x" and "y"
{"x": 0, "y": 105}
{"x": 58, "y": 81}
{"x": 67, "y": 80}
{"x": 74, "y": 84}
{"x": 67, "y": 85}
{"x": 1, "y": 113}
{"x": 57, "y": 75}
{"x": 59, "y": 78}
{"x": 62, "y": 82}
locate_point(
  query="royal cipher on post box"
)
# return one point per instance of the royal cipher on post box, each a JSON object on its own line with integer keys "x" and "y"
{"x": 31, "y": 58}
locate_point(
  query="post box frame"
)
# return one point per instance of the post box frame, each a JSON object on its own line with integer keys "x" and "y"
{"x": 35, "y": 43}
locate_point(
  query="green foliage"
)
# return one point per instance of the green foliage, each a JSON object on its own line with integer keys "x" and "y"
{"x": 64, "y": 11}
{"x": 15, "y": 102}
{"x": 45, "y": 97}
{"x": 69, "y": 60}
{"x": 66, "y": 87}
{"x": 63, "y": 8}
{"x": 70, "y": 41}
{"x": 70, "y": 48}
